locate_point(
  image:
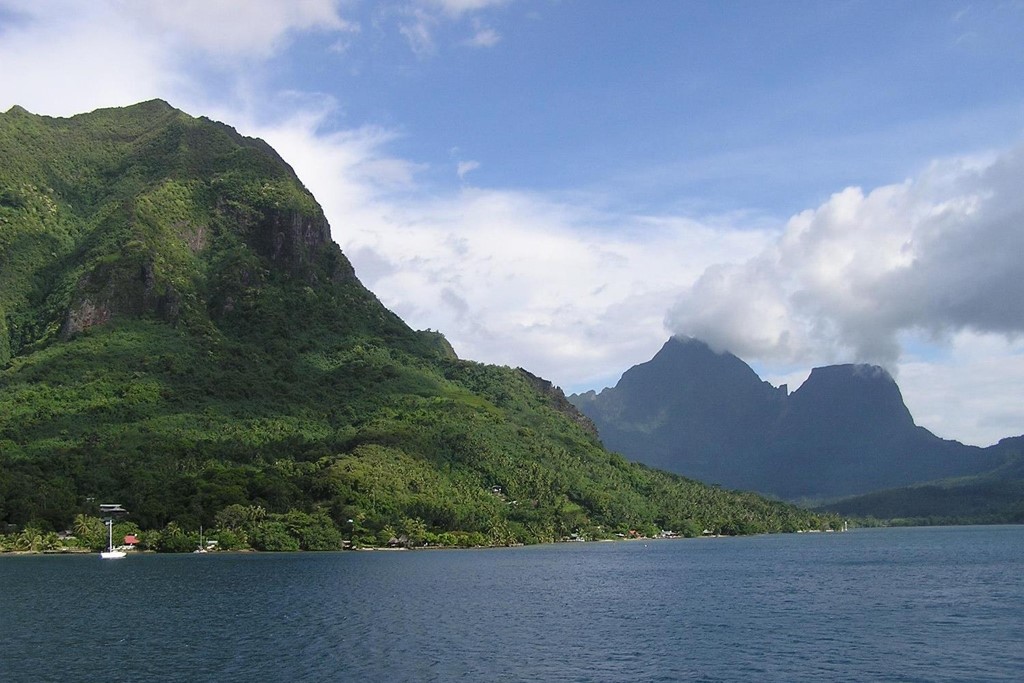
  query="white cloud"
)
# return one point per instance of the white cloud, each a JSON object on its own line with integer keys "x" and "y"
{"x": 539, "y": 283}
{"x": 965, "y": 396}
{"x": 465, "y": 167}
{"x": 62, "y": 59}
{"x": 939, "y": 253}
{"x": 418, "y": 29}
{"x": 457, "y": 8}
{"x": 484, "y": 37}
{"x": 236, "y": 27}
{"x": 932, "y": 263}
{"x": 421, "y": 20}
{"x": 513, "y": 278}
{"x": 348, "y": 171}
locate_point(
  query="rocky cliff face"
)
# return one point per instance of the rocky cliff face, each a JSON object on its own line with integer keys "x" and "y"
{"x": 121, "y": 297}
{"x": 292, "y": 240}
{"x": 559, "y": 401}
{"x": 128, "y": 286}
{"x": 146, "y": 212}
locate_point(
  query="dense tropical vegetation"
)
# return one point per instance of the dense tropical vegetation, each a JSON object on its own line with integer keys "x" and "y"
{"x": 179, "y": 335}
{"x": 995, "y": 497}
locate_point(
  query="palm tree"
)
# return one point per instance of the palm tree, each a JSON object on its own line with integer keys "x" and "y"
{"x": 30, "y": 539}
{"x": 89, "y": 531}
{"x": 81, "y": 525}
{"x": 256, "y": 514}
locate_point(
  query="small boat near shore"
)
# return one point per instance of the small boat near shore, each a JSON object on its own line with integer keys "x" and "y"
{"x": 201, "y": 548}
{"x": 111, "y": 553}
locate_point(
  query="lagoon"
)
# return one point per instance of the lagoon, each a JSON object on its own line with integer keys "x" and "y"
{"x": 918, "y": 604}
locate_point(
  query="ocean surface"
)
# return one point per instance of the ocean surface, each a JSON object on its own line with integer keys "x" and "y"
{"x": 924, "y": 604}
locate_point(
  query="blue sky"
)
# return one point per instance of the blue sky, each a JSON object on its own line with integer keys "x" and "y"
{"x": 562, "y": 185}
{"x": 759, "y": 105}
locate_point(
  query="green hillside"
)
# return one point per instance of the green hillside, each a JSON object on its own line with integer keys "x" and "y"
{"x": 179, "y": 334}
{"x": 995, "y": 497}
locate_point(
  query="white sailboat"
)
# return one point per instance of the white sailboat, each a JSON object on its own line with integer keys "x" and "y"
{"x": 111, "y": 553}
{"x": 201, "y": 548}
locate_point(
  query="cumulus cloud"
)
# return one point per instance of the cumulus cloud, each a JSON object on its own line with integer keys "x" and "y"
{"x": 510, "y": 277}
{"x": 935, "y": 255}
{"x": 64, "y": 58}
{"x": 967, "y": 272}
{"x": 237, "y": 27}
{"x": 538, "y": 282}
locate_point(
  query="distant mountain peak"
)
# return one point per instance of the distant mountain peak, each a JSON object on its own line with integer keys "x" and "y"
{"x": 694, "y": 344}
{"x": 686, "y": 339}
{"x": 858, "y": 391}
{"x": 706, "y": 414}
{"x": 861, "y": 371}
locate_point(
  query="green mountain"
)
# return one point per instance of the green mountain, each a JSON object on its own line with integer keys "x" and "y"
{"x": 993, "y": 497}
{"x": 179, "y": 334}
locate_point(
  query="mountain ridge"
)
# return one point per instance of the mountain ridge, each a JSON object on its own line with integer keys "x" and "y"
{"x": 845, "y": 431}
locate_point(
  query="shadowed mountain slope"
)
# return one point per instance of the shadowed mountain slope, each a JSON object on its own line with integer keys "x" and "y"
{"x": 993, "y": 497}
{"x": 691, "y": 409}
{"x": 707, "y": 415}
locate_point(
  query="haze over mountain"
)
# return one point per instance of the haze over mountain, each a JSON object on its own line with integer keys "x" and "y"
{"x": 179, "y": 334}
{"x": 996, "y": 496}
{"x": 707, "y": 415}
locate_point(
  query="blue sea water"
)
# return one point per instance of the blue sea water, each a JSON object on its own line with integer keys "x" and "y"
{"x": 927, "y": 604}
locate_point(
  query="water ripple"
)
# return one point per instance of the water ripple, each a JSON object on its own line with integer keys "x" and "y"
{"x": 877, "y": 605}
